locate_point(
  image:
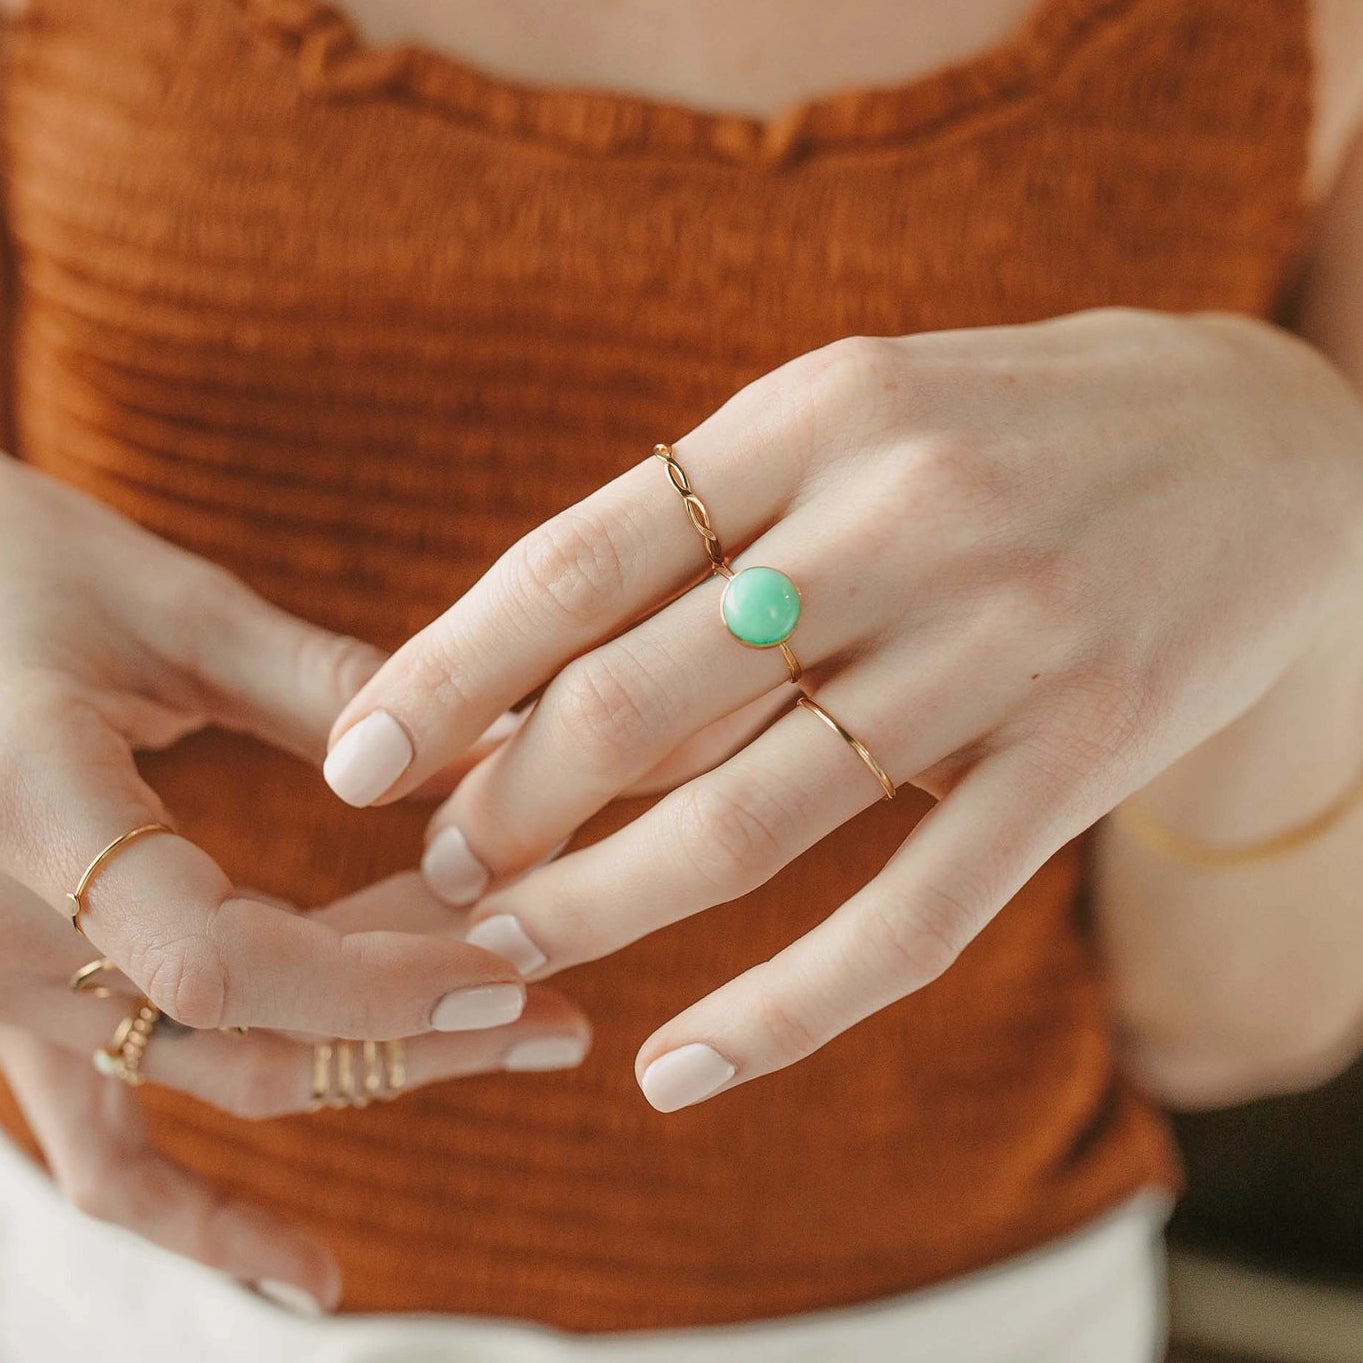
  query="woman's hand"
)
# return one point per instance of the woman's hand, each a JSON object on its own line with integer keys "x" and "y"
{"x": 112, "y": 641}
{"x": 1037, "y": 564}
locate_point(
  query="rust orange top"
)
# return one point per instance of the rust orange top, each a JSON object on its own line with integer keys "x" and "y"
{"x": 349, "y": 321}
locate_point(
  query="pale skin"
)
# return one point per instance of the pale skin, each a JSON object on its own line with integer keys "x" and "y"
{"x": 995, "y": 649}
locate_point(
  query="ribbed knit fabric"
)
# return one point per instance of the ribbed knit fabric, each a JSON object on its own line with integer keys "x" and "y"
{"x": 350, "y": 321}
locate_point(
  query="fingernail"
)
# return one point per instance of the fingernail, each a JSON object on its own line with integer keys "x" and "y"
{"x": 451, "y": 870}
{"x": 503, "y": 936}
{"x": 485, "y": 1005}
{"x": 546, "y": 1053}
{"x": 368, "y": 758}
{"x": 685, "y": 1076}
{"x": 290, "y": 1296}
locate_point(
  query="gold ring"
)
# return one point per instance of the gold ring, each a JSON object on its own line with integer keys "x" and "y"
{"x": 82, "y": 981}
{"x": 807, "y": 702}
{"x": 337, "y": 1081}
{"x": 76, "y": 899}
{"x": 122, "y": 1057}
{"x": 761, "y": 605}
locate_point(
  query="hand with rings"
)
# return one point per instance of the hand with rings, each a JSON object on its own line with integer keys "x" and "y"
{"x": 113, "y": 642}
{"x": 1021, "y": 568}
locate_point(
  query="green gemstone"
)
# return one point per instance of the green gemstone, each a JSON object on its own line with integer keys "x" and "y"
{"x": 105, "y": 1063}
{"x": 761, "y": 607}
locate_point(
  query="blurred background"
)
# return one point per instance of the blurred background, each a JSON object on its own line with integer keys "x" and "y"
{"x": 1266, "y": 1249}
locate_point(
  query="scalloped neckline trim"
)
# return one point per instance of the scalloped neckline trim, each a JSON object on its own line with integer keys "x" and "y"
{"x": 335, "y": 60}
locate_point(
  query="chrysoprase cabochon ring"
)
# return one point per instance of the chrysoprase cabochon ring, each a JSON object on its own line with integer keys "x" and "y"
{"x": 760, "y": 606}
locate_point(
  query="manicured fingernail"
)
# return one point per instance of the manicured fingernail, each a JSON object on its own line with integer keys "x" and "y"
{"x": 451, "y": 870}
{"x": 503, "y": 936}
{"x": 546, "y": 1053}
{"x": 290, "y": 1296}
{"x": 685, "y": 1076}
{"x": 485, "y": 1005}
{"x": 368, "y": 758}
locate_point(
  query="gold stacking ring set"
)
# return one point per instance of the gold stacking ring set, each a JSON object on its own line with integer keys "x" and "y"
{"x": 337, "y": 1080}
{"x": 764, "y": 617}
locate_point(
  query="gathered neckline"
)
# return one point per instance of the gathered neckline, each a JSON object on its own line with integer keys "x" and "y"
{"x": 335, "y": 59}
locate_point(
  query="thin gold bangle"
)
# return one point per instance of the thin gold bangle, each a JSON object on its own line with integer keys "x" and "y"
{"x": 1159, "y": 837}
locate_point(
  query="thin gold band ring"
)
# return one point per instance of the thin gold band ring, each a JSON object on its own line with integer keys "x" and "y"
{"x": 84, "y": 980}
{"x": 807, "y": 702}
{"x": 75, "y": 901}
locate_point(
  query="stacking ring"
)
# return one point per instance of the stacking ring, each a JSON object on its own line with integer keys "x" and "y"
{"x": 84, "y": 981}
{"x": 335, "y": 1074}
{"x": 75, "y": 901}
{"x": 807, "y": 702}
{"x": 760, "y": 606}
{"x": 122, "y": 1057}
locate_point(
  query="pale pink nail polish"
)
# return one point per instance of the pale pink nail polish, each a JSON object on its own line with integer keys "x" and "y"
{"x": 685, "y": 1076}
{"x": 546, "y": 1053}
{"x": 290, "y": 1296}
{"x": 503, "y": 935}
{"x": 368, "y": 758}
{"x": 451, "y": 869}
{"x": 485, "y": 1005}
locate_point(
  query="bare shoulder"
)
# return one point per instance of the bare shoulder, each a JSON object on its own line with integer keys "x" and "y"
{"x": 1338, "y": 43}
{"x": 13, "y": 6}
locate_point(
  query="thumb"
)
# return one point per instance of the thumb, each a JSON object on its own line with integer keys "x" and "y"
{"x": 262, "y": 671}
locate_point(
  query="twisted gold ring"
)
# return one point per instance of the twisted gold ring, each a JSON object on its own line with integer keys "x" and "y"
{"x": 760, "y": 606}
{"x": 335, "y": 1074}
{"x": 75, "y": 901}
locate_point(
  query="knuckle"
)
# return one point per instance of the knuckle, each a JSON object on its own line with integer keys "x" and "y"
{"x": 734, "y": 839}
{"x": 187, "y": 980}
{"x": 599, "y": 704}
{"x": 574, "y": 566}
{"x": 785, "y": 1031}
{"x": 925, "y": 940}
{"x": 854, "y": 367}
{"x": 340, "y": 664}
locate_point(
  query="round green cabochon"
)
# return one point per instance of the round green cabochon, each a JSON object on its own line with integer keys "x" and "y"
{"x": 761, "y": 607}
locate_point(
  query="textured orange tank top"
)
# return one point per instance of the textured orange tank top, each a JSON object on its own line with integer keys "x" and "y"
{"x": 350, "y": 321}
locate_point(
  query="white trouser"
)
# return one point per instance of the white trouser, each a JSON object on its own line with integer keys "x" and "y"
{"x": 75, "y": 1291}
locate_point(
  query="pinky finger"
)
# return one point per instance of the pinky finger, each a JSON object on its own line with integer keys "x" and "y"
{"x": 962, "y": 863}
{"x": 96, "y": 1146}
